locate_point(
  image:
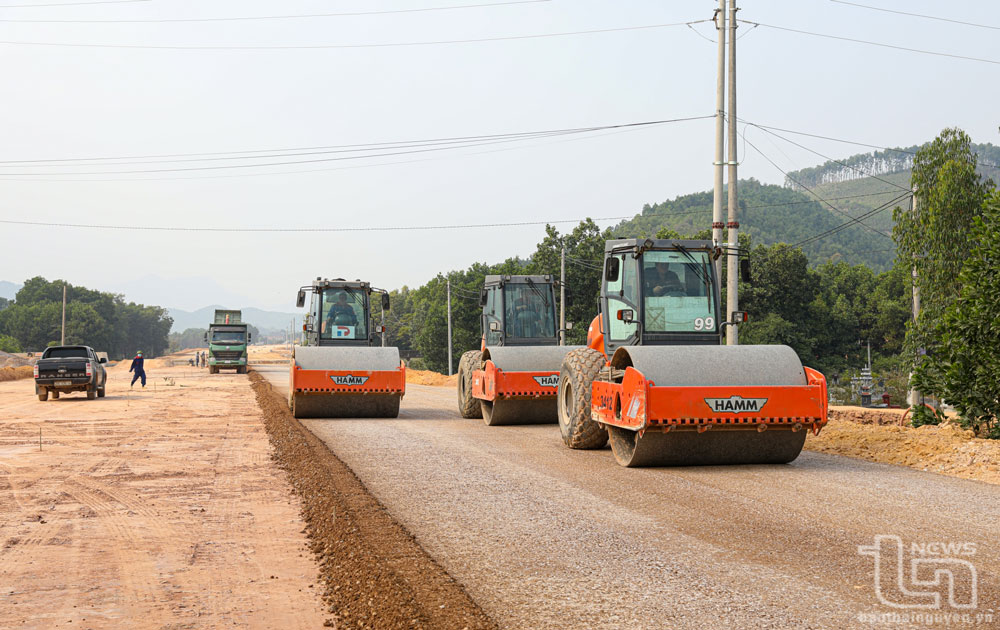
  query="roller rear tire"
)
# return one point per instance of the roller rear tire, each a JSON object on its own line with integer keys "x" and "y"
{"x": 576, "y": 375}
{"x": 91, "y": 393}
{"x": 43, "y": 395}
{"x": 468, "y": 406}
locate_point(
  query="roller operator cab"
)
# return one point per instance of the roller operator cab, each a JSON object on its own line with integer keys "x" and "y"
{"x": 656, "y": 381}
{"x": 513, "y": 377}
{"x": 341, "y": 370}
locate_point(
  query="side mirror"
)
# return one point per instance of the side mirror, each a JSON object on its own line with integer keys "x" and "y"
{"x": 482, "y": 297}
{"x": 739, "y": 317}
{"x": 494, "y": 326}
{"x": 611, "y": 270}
{"x": 205, "y": 338}
{"x": 569, "y": 325}
{"x": 380, "y": 329}
{"x": 300, "y": 299}
{"x": 745, "y": 270}
{"x": 102, "y": 360}
{"x": 626, "y": 315}
{"x": 249, "y": 337}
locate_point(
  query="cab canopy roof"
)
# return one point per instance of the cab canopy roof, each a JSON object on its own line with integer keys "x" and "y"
{"x": 321, "y": 284}
{"x": 492, "y": 280}
{"x": 627, "y": 244}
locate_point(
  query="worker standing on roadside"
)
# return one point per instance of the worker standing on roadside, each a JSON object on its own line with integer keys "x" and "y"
{"x": 137, "y": 368}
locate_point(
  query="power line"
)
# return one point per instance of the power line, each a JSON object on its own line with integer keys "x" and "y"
{"x": 403, "y": 150}
{"x": 853, "y": 220}
{"x": 350, "y": 46}
{"x": 275, "y": 17}
{"x": 811, "y": 191}
{"x": 345, "y": 148}
{"x": 871, "y": 43}
{"x": 830, "y": 159}
{"x": 267, "y": 230}
{"x": 919, "y": 15}
{"x": 854, "y": 142}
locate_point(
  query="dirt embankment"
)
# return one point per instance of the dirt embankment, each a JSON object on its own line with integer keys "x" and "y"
{"x": 375, "y": 573}
{"x": 876, "y": 435}
{"x": 16, "y": 373}
{"x": 427, "y": 377}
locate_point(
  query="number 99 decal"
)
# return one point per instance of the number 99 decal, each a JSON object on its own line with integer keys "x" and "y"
{"x": 707, "y": 323}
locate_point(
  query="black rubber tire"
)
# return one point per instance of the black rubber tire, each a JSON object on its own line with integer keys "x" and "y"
{"x": 55, "y": 395}
{"x": 44, "y": 395}
{"x": 468, "y": 406}
{"x": 92, "y": 393}
{"x": 212, "y": 369}
{"x": 101, "y": 392}
{"x": 577, "y": 373}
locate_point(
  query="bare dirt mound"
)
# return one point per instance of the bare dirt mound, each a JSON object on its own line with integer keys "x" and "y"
{"x": 16, "y": 373}
{"x": 375, "y": 573}
{"x": 875, "y": 435}
{"x": 427, "y": 377}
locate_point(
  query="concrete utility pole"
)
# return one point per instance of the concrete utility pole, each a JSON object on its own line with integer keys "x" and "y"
{"x": 449, "y": 327}
{"x": 915, "y": 396}
{"x": 62, "y": 341}
{"x": 562, "y": 298}
{"x": 733, "y": 258}
{"x": 720, "y": 128}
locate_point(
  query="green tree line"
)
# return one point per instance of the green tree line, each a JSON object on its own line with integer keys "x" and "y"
{"x": 104, "y": 321}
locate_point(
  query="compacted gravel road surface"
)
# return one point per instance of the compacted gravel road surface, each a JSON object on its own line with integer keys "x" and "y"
{"x": 542, "y": 536}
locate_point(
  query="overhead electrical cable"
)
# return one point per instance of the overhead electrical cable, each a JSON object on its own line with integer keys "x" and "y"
{"x": 344, "y": 148}
{"x": 265, "y": 230}
{"x": 830, "y": 159}
{"x": 272, "y": 17}
{"x": 919, "y": 15}
{"x": 385, "y": 152}
{"x": 854, "y": 142}
{"x": 441, "y": 42}
{"x": 871, "y": 43}
{"x": 812, "y": 192}
{"x": 853, "y": 220}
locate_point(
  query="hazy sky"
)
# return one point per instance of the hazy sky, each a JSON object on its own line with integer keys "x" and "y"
{"x": 61, "y": 102}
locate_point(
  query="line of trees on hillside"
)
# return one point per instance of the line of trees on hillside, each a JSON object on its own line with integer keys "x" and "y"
{"x": 864, "y": 165}
{"x": 823, "y": 312}
{"x": 827, "y": 313}
{"x": 104, "y": 321}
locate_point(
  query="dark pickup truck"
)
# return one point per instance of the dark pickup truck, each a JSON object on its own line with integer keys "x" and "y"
{"x": 65, "y": 369}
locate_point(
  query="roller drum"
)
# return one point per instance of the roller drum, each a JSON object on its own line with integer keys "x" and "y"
{"x": 702, "y": 366}
{"x": 345, "y": 405}
{"x": 504, "y": 411}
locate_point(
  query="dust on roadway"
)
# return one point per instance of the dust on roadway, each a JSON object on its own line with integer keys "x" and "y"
{"x": 545, "y": 537}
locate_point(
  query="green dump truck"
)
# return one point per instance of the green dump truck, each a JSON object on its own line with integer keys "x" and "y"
{"x": 227, "y": 340}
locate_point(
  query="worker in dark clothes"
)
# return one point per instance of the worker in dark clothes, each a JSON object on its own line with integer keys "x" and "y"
{"x": 137, "y": 368}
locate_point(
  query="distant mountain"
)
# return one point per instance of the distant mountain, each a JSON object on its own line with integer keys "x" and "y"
{"x": 9, "y": 289}
{"x": 265, "y": 321}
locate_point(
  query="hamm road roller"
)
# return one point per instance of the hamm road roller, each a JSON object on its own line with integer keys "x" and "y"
{"x": 655, "y": 380}
{"x": 513, "y": 377}
{"x": 339, "y": 372}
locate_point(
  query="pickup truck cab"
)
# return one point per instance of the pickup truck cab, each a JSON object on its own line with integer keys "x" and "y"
{"x": 65, "y": 369}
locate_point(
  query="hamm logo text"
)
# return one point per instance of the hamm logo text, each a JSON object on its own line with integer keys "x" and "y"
{"x": 736, "y": 404}
{"x": 349, "y": 380}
